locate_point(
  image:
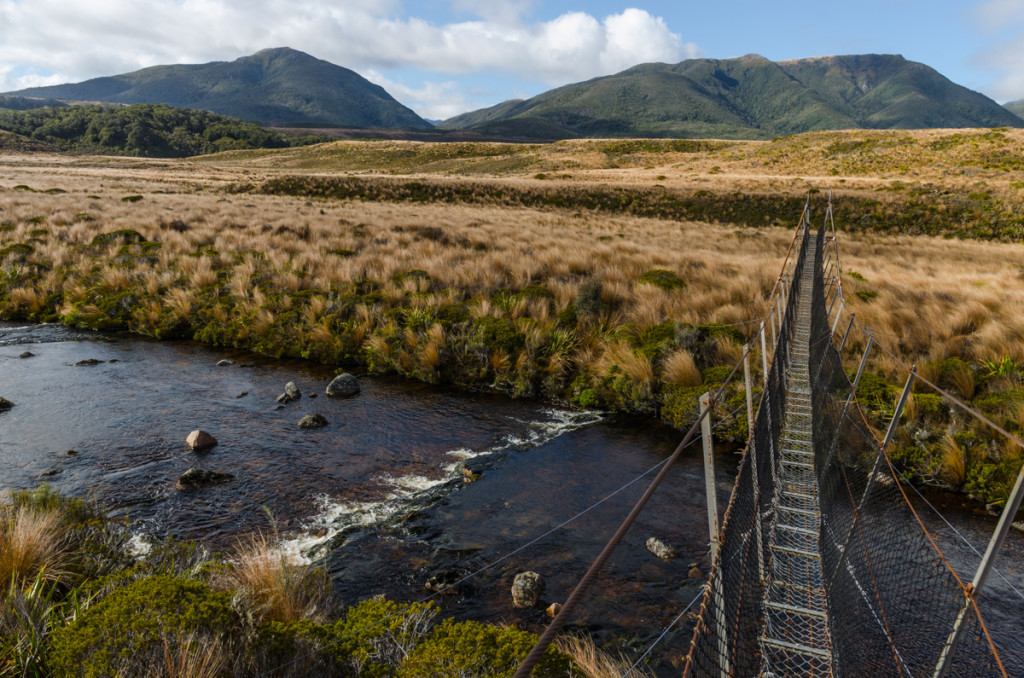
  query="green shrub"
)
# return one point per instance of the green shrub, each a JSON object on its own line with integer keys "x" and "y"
{"x": 127, "y": 630}
{"x": 658, "y": 339}
{"x": 499, "y": 334}
{"x": 588, "y": 298}
{"x": 662, "y": 279}
{"x": 866, "y": 295}
{"x": 370, "y": 641}
{"x": 123, "y": 236}
{"x": 473, "y": 649}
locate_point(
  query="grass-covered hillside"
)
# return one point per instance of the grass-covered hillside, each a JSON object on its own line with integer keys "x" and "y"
{"x": 148, "y": 130}
{"x": 274, "y": 86}
{"x": 745, "y": 98}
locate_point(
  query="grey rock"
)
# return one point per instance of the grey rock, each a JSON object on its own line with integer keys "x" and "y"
{"x": 197, "y": 477}
{"x": 312, "y": 421}
{"x": 660, "y": 549}
{"x": 284, "y": 398}
{"x": 292, "y": 390}
{"x": 225, "y": 363}
{"x": 343, "y": 386}
{"x": 198, "y": 441}
{"x": 527, "y": 588}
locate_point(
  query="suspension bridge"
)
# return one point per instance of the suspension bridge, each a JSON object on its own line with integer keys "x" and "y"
{"x": 821, "y": 566}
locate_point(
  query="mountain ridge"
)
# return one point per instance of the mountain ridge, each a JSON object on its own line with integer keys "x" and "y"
{"x": 746, "y": 97}
{"x": 276, "y": 86}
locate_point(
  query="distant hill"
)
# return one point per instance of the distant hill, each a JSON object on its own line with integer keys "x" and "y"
{"x": 748, "y": 97}
{"x": 151, "y": 130}
{"x": 16, "y": 103}
{"x": 272, "y": 87}
{"x": 1016, "y": 107}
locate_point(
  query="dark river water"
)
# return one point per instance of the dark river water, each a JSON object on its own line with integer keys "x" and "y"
{"x": 379, "y": 492}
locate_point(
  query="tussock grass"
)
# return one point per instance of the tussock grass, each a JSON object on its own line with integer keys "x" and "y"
{"x": 269, "y": 585}
{"x": 595, "y": 662}
{"x": 31, "y": 544}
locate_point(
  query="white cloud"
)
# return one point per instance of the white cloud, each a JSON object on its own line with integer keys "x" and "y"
{"x": 1006, "y": 56}
{"x": 996, "y": 14}
{"x": 105, "y": 37}
{"x": 432, "y": 100}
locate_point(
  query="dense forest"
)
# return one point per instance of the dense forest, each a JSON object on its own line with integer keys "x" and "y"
{"x": 151, "y": 130}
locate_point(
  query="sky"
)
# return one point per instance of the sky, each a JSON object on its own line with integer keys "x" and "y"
{"x": 444, "y": 57}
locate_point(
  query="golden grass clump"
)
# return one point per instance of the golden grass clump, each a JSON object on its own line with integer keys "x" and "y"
{"x": 954, "y": 461}
{"x": 269, "y": 585}
{"x": 595, "y": 662}
{"x": 31, "y": 544}
{"x": 681, "y": 369}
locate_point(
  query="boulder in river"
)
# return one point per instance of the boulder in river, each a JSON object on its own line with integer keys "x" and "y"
{"x": 343, "y": 386}
{"x": 292, "y": 390}
{"x": 87, "y": 362}
{"x": 5, "y": 404}
{"x": 27, "y": 354}
{"x": 527, "y": 588}
{"x": 200, "y": 441}
{"x": 197, "y": 477}
{"x": 312, "y": 421}
{"x": 225, "y": 363}
{"x": 445, "y": 581}
{"x": 660, "y": 549}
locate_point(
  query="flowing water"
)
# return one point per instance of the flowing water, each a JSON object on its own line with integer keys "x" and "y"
{"x": 379, "y": 493}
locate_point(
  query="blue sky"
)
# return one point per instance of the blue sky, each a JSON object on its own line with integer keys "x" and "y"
{"x": 443, "y": 57}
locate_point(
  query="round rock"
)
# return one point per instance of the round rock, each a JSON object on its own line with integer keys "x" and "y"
{"x": 312, "y": 421}
{"x": 27, "y": 354}
{"x": 343, "y": 386}
{"x": 292, "y": 390}
{"x": 660, "y": 549}
{"x": 527, "y": 588}
{"x": 198, "y": 441}
{"x": 225, "y": 363}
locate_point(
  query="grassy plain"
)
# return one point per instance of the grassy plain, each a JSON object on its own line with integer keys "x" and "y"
{"x": 619, "y": 273}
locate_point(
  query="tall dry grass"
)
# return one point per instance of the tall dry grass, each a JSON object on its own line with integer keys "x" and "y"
{"x": 270, "y": 585}
{"x": 595, "y": 662}
{"x": 32, "y": 544}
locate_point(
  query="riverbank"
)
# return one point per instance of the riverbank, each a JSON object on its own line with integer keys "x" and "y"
{"x": 542, "y": 287}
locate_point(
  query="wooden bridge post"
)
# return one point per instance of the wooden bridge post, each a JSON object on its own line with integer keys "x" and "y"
{"x": 709, "y": 470}
{"x": 764, "y": 357}
{"x": 752, "y": 451}
{"x": 835, "y": 323}
{"x": 721, "y": 629}
{"x": 774, "y": 332}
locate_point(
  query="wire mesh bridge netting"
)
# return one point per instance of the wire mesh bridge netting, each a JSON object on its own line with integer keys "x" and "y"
{"x": 866, "y": 590}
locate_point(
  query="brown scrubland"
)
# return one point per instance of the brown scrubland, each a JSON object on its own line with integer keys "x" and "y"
{"x": 623, "y": 274}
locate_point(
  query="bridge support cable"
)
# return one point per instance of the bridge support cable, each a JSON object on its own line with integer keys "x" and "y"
{"x": 894, "y": 596}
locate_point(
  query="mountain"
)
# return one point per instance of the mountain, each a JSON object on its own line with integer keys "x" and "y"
{"x": 1015, "y": 107}
{"x": 272, "y": 87}
{"x": 747, "y": 97}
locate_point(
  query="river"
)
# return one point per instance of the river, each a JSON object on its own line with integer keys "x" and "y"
{"x": 379, "y": 492}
